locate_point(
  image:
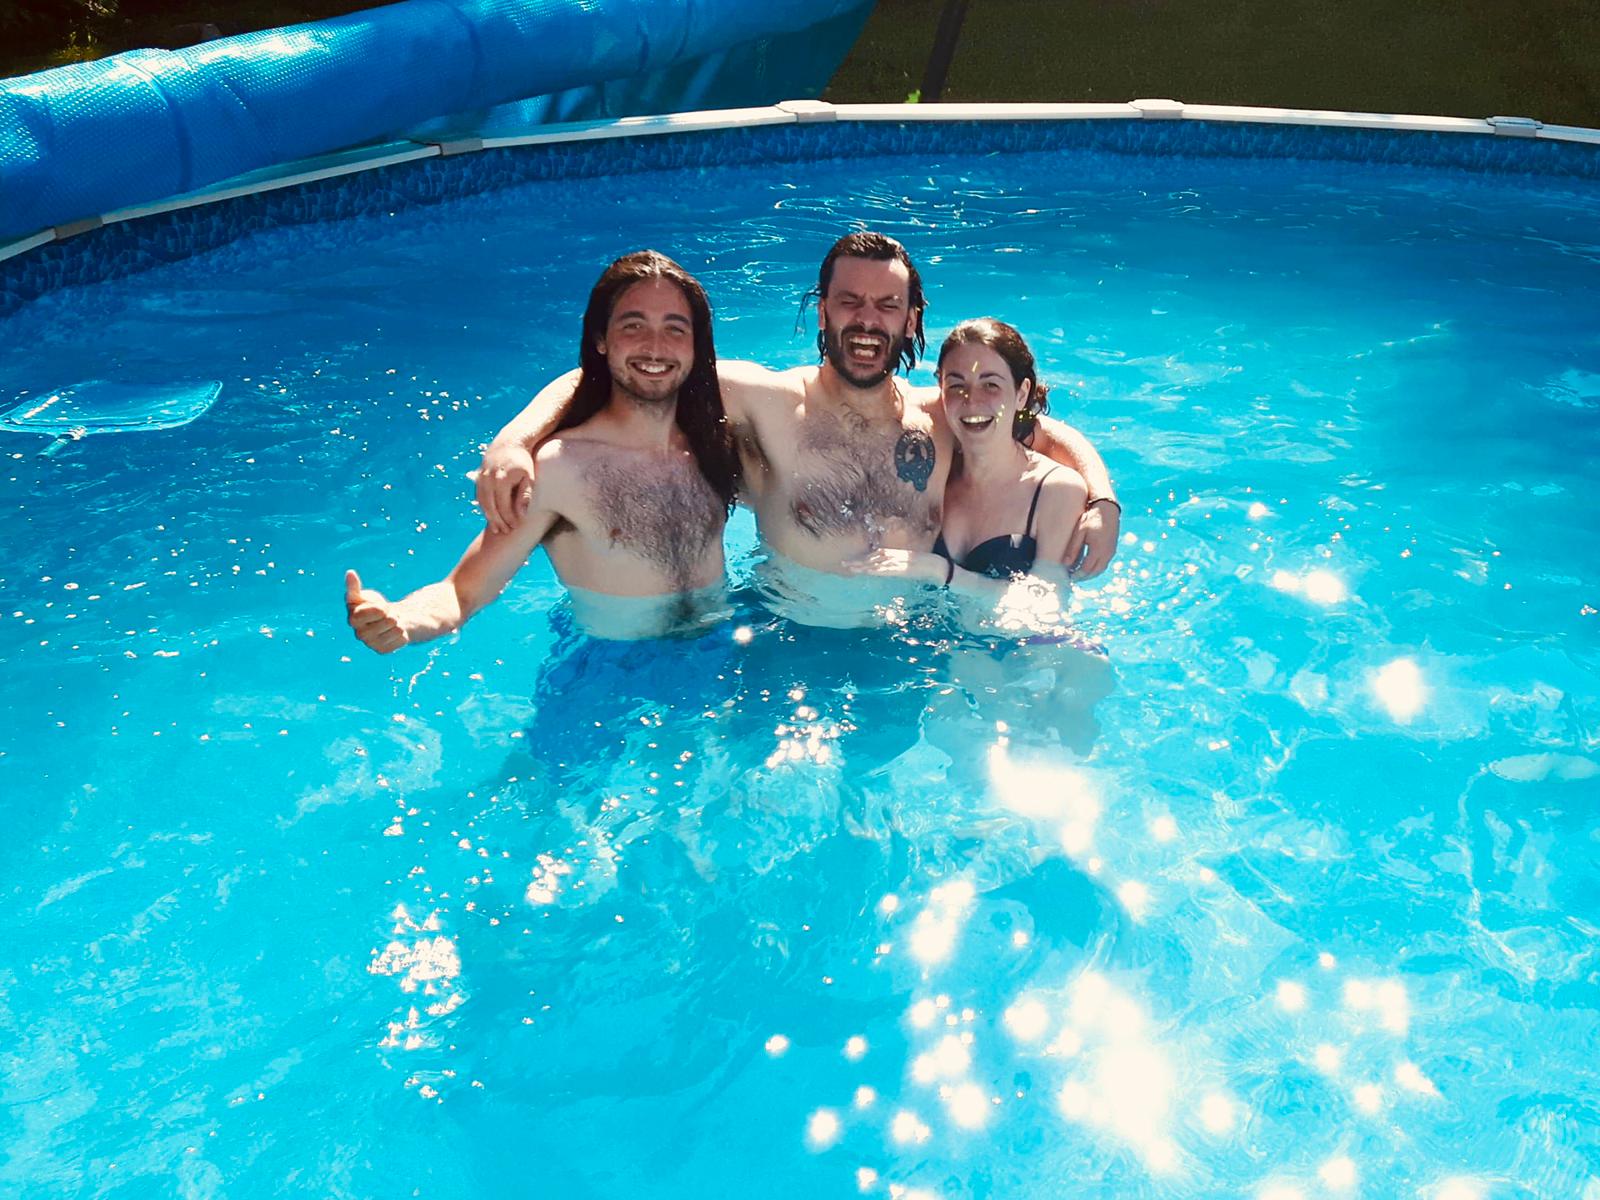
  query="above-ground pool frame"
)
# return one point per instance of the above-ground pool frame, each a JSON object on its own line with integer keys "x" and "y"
{"x": 380, "y": 179}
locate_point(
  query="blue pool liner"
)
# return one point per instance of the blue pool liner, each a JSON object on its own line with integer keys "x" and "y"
{"x": 129, "y": 247}
{"x": 94, "y": 137}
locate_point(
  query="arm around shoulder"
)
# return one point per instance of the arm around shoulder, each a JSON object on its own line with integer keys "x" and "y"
{"x": 505, "y": 476}
{"x": 1059, "y": 441}
{"x": 748, "y": 387}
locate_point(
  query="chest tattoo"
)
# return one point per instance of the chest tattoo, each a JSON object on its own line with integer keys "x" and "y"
{"x": 853, "y": 479}
{"x": 668, "y": 516}
{"x": 913, "y": 458}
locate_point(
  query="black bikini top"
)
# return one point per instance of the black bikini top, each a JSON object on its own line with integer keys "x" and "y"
{"x": 1004, "y": 556}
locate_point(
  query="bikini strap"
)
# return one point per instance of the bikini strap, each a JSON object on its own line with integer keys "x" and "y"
{"x": 1039, "y": 487}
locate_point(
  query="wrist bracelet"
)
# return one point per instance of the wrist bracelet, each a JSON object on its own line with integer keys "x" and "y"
{"x": 1111, "y": 500}
{"x": 949, "y": 571}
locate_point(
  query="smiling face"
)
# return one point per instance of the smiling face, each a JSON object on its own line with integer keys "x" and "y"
{"x": 980, "y": 396}
{"x": 649, "y": 341}
{"x": 865, "y": 318}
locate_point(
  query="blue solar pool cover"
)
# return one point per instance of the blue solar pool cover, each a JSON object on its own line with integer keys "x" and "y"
{"x": 94, "y": 137}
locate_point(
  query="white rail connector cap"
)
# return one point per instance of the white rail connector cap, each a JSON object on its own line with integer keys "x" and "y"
{"x": 1159, "y": 110}
{"x": 810, "y": 110}
{"x": 1525, "y": 127}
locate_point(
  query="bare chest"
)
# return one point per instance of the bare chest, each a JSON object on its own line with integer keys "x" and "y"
{"x": 852, "y": 476}
{"x": 663, "y": 512}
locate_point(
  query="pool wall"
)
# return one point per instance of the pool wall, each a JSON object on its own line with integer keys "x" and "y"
{"x": 382, "y": 179}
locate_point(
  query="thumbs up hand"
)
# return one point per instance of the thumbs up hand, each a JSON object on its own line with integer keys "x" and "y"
{"x": 376, "y": 621}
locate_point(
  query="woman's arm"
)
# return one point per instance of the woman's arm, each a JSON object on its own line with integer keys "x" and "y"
{"x": 1062, "y": 497}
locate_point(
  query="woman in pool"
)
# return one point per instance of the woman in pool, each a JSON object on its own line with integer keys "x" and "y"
{"x": 1008, "y": 512}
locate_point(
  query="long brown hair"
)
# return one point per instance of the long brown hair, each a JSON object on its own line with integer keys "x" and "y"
{"x": 1005, "y": 341}
{"x": 699, "y": 412}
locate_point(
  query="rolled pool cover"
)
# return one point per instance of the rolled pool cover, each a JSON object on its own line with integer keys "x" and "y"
{"x": 141, "y": 126}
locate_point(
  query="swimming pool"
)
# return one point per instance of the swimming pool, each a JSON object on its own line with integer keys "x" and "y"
{"x": 1297, "y": 890}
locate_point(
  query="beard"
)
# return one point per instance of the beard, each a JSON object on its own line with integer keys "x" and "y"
{"x": 644, "y": 391}
{"x": 858, "y": 374}
{"x": 652, "y": 399}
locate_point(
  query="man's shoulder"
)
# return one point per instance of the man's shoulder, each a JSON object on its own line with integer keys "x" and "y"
{"x": 569, "y": 450}
{"x": 923, "y": 409}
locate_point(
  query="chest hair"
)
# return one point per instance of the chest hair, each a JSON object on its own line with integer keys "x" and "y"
{"x": 848, "y": 481}
{"x": 666, "y": 514}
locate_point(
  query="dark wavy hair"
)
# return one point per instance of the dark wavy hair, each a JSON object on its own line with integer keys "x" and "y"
{"x": 879, "y": 247}
{"x": 1005, "y": 341}
{"x": 699, "y": 412}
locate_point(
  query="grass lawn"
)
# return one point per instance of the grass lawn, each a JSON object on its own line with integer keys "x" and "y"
{"x": 39, "y": 45}
{"x": 1476, "y": 58}
{"x": 1472, "y": 58}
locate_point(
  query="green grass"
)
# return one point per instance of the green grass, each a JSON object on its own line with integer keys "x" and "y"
{"x": 1474, "y": 58}
{"x": 37, "y": 47}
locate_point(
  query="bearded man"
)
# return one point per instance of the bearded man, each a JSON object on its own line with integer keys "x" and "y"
{"x": 842, "y": 458}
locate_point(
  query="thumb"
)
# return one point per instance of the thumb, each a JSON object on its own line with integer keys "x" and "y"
{"x": 352, "y": 587}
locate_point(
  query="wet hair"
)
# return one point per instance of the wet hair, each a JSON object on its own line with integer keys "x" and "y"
{"x": 1005, "y": 341}
{"x": 699, "y": 412}
{"x": 879, "y": 247}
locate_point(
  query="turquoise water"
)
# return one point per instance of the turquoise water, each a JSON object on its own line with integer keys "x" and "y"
{"x": 1295, "y": 893}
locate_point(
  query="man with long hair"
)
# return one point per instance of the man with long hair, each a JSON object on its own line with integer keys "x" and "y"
{"x": 630, "y": 497}
{"x": 842, "y": 458}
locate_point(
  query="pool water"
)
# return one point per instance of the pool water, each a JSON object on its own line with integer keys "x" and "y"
{"x": 1295, "y": 892}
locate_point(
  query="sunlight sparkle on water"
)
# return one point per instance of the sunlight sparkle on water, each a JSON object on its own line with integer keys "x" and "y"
{"x": 908, "y": 1129}
{"x": 1053, "y": 794}
{"x": 968, "y": 1106}
{"x": 1320, "y": 586}
{"x": 1387, "y": 998}
{"x": 1291, "y": 996}
{"x": 1400, "y": 690}
{"x": 948, "y": 1060}
{"x": 1027, "y": 1020}
{"x": 822, "y": 1129}
{"x": 934, "y": 933}
{"x": 1124, "y": 1083}
{"x": 1338, "y": 1174}
{"x": 1409, "y": 1076}
{"x": 1217, "y": 1113}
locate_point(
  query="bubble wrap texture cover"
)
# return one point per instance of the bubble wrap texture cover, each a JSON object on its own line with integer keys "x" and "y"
{"x": 141, "y": 126}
